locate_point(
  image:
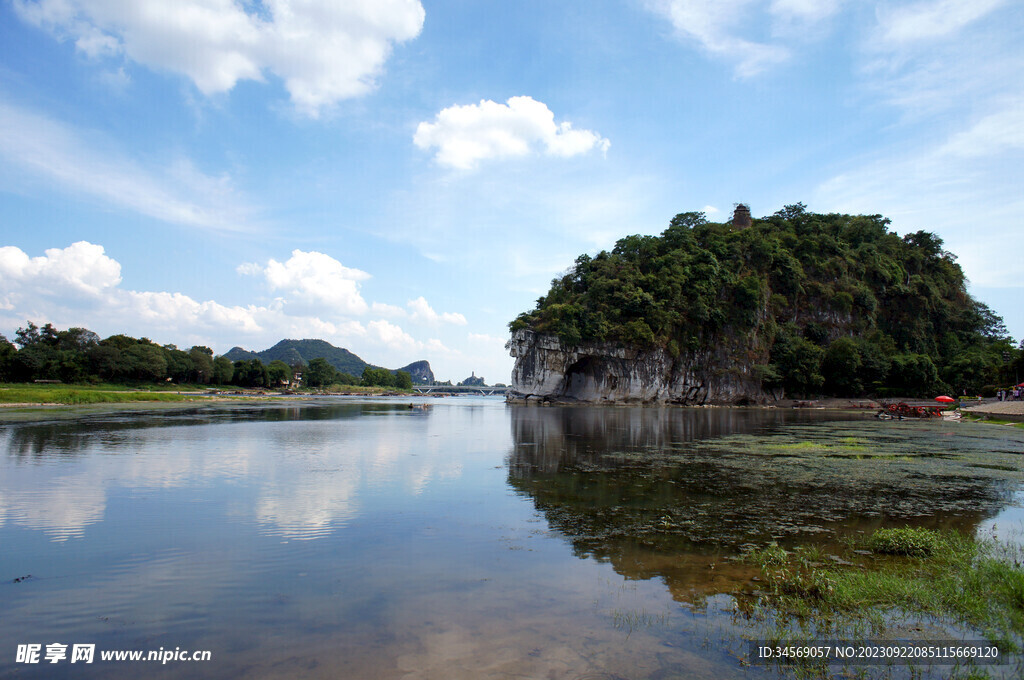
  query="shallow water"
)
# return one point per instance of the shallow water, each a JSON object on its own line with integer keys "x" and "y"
{"x": 461, "y": 539}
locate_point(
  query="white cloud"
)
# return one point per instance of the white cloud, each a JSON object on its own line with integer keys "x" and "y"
{"x": 56, "y": 154}
{"x": 930, "y": 19}
{"x": 944, "y": 58}
{"x": 181, "y": 311}
{"x": 964, "y": 188}
{"x": 391, "y": 335}
{"x": 486, "y": 339}
{"x": 81, "y": 268}
{"x": 384, "y": 309}
{"x": 804, "y": 10}
{"x": 54, "y": 285}
{"x": 323, "y": 50}
{"x": 420, "y": 310}
{"x": 715, "y": 25}
{"x": 314, "y": 278}
{"x": 710, "y": 211}
{"x": 434, "y": 346}
{"x": 80, "y": 286}
{"x": 995, "y": 134}
{"x": 466, "y": 135}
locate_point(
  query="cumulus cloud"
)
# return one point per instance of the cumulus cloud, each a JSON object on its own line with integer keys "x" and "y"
{"x": 314, "y": 278}
{"x": 57, "y": 283}
{"x": 324, "y": 51}
{"x": 80, "y": 285}
{"x": 466, "y": 135}
{"x": 384, "y": 309}
{"x": 48, "y": 150}
{"x": 391, "y": 335}
{"x": 82, "y": 268}
{"x": 182, "y": 311}
{"x": 422, "y": 311}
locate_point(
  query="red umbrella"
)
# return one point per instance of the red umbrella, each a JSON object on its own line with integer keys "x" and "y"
{"x": 945, "y": 400}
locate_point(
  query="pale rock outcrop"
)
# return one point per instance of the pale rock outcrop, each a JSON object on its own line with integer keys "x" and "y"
{"x": 548, "y": 370}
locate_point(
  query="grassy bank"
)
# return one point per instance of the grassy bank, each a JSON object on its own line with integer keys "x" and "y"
{"x": 32, "y": 393}
{"x": 893, "y": 576}
{"x": 72, "y": 395}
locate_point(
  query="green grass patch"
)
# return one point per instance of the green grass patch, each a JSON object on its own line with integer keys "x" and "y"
{"x": 53, "y": 394}
{"x": 977, "y": 584}
{"x": 911, "y": 541}
{"x": 797, "y": 446}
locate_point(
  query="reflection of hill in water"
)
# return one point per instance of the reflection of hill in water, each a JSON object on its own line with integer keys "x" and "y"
{"x": 665, "y": 491}
{"x": 73, "y": 432}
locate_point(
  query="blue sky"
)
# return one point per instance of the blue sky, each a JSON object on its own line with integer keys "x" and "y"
{"x": 403, "y": 177}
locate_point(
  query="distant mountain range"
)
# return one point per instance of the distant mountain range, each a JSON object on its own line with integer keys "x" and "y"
{"x": 296, "y": 351}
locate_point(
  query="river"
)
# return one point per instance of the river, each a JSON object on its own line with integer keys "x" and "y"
{"x": 449, "y": 538}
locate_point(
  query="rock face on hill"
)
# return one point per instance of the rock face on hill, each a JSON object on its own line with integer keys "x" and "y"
{"x": 420, "y": 372}
{"x": 548, "y": 370}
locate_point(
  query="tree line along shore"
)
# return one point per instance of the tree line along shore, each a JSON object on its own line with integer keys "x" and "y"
{"x": 42, "y": 363}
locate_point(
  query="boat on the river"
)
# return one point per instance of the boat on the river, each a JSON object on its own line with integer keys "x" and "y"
{"x": 903, "y": 410}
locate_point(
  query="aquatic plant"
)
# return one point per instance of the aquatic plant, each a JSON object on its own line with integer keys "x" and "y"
{"x": 912, "y": 541}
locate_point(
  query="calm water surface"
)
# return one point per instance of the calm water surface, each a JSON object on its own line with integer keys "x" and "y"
{"x": 462, "y": 538}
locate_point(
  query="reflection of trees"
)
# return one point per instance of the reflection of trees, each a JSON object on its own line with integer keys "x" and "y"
{"x": 112, "y": 430}
{"x": 664, "y": 491}
{"x": 551, "y": 438}
{"x": 309, "y": 461}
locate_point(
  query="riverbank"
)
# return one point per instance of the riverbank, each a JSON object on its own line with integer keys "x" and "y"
{"x": 32, "y": 395}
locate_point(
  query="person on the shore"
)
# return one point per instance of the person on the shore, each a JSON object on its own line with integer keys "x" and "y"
{"x": 999, "y": 395}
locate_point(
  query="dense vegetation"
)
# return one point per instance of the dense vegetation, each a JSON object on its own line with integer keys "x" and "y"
{"x": 346, "y": 364}
{"x": 78, "y": 355}
{"x": 297, "y": 352}
{"x": 826, "y": 304}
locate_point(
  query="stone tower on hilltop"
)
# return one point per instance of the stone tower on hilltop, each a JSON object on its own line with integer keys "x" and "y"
{"x": 741, "y": 216}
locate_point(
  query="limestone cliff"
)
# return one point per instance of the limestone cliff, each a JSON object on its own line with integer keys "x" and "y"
{"x": 548, "y": 370}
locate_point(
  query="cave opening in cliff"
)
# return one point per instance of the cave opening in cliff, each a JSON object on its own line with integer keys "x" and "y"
{"x": 584, "y": 379}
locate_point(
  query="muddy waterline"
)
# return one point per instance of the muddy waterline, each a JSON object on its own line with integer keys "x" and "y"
{"x": 461, "y": 539}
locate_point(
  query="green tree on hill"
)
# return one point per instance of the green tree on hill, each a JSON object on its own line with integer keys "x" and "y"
{"x": 279, "y": 373}
{"x": 223, "y": 370}
{"x": 319, "y": 373}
